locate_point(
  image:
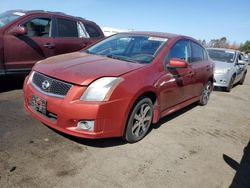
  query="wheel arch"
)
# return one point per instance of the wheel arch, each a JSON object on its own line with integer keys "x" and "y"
{"x": 152, "y": 95}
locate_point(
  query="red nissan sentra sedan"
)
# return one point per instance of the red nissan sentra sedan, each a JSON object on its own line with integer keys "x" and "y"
{"x": 119, "y": 86}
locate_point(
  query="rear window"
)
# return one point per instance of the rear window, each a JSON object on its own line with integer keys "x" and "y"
{"x": 92, "y": 31}
{"x": 67, "y": 28}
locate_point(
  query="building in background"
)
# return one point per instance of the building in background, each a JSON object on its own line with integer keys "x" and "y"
{"x": 108, "y": 31}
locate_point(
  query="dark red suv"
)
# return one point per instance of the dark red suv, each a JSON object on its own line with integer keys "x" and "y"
{"x": 29, "y": 36}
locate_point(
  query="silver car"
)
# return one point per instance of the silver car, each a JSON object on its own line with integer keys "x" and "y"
{"x": 247, "y": 59}
{"x": 230, "y": 67}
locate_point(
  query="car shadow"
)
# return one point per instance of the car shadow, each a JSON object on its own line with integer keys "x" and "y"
{"x": 98, "y": 143}
{"x": 173, "y": 116}
{"x": 9, "y": 83}
{"x": 111, "y": 142}
{"x": 241, "y": 178}
{"x": 220, "y": 89}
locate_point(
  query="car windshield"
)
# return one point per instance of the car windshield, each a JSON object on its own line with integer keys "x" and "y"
{"x": 9, "y": 16}
{"x": 221, "y": 55}
{"x": 129, "y": 47}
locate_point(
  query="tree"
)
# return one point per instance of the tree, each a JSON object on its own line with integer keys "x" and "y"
{"x": 220, "y": 43}
{"x": 203, "y": 42}
{"x": 245, "y": 47}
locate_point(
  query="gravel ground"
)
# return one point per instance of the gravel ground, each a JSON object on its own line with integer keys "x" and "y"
{"x": 186, "y": 149}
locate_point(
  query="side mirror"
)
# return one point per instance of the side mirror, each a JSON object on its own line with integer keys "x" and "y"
{"x": 18, "y": 30}
{"x": 177, "y": 63}
{"x": 241, "y": 62}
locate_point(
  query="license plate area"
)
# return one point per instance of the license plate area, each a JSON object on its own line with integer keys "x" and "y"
{"x": 38, "y": 104}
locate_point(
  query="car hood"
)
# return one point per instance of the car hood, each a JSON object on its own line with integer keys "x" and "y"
{"x": 81, "y": 68}
{"x": 222, "y": 65}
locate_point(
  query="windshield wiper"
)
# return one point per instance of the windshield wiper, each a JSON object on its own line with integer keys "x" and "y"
{"x": 123, "y": 58}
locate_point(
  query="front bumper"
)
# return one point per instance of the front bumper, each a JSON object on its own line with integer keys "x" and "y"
{"x": 109, "y": 117}
{"x": 221, "y": 80}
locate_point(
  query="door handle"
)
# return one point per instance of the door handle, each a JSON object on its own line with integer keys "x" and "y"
{"x": 49, "y": 45}
{"x": 207, "y": 67}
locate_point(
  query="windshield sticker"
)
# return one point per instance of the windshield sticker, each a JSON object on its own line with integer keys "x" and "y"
{"x": 157, "y": 39}
{"x": 19, "y": 13}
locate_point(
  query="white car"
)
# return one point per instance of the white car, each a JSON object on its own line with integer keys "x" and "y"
{"x": 230, "y": 67}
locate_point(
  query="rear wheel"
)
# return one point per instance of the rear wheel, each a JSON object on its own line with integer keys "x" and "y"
{"x": 231, "y": 84}
{"x": 139, "y": 120}
{"x": 205, "y": 93}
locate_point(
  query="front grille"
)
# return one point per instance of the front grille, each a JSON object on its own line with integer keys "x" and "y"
{"x": 50, "y": 85}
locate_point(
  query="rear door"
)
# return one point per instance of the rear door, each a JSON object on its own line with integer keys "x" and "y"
{"x": 70, "y": 35}
{"x": 22, "y": 52}
{"x": 201, "y": 67}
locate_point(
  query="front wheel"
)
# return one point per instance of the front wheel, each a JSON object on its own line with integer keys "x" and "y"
{"x": 205, "y": 93}
{"x": 231, "y": 84}
{"x": 242, "y": 79}
{"x": 139, "y": 120}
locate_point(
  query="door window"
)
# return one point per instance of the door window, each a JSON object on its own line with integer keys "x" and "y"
{"x": 240, "y": 57}
{"x": 67, "y": 28}
{"x": 38, "y": 27}
{"x": 197, "y": 53}
{"x": 180, "y": 50}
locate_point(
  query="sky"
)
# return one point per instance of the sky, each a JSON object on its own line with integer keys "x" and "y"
{"x": 201, "y": 19}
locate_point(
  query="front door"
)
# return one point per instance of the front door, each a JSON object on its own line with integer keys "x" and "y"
{"x": 22, "y": 52}
{"x": 176, "y": 83}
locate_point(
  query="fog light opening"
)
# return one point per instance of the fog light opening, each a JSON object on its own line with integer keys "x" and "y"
{"x": 86, "y": 125}
{"x": 223, "y": 81}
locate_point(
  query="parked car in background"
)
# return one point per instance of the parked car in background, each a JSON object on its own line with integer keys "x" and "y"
{"x": 118, "y": 86}
{"x": 230, "y": 67}
{"x": 247, "y": 59}
{"x": 29, "y": 36}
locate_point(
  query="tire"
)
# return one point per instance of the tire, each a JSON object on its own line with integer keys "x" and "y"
{"x": 207, "y": 89}
{"x": 241, "y": 82}
{"x": 139, "y": 120}
{"x": 231, "y": 84}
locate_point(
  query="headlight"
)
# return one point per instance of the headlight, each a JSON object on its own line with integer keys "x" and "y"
{"x": 222, "y": 71}
{"x": 100, "y": 89}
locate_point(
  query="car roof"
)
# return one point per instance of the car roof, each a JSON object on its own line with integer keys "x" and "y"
{"x": 223, "y": 49}
{"x": 49, "y": 12}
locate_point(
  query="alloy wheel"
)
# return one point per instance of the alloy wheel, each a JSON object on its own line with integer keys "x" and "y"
{"x": 142, "y": 120}
{"x": 231, "y": 84}
{"x": 206, "y": 93}
{"x": 139, "y": 120}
